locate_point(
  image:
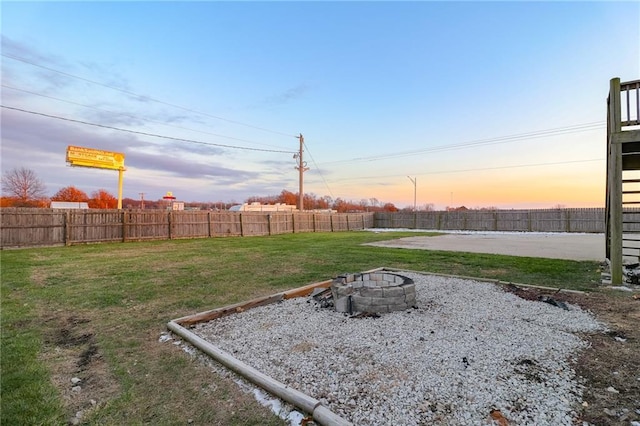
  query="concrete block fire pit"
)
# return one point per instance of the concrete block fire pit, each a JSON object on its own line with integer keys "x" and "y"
{"x": 374, "y": 292}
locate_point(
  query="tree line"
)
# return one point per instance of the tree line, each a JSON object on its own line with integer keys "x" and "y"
{"x": 21, "y": 187}
{"x": 314, "y": 202}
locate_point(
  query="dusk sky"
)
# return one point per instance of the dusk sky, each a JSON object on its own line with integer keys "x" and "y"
{"x": 483, "y": 103}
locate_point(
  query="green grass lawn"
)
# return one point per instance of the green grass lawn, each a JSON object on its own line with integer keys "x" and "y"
{"x": 96, "y": 311}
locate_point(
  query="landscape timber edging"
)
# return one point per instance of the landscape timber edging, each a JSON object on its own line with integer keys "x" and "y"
{"x": 312, "y": 406}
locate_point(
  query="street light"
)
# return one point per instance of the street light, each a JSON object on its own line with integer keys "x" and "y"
{"x": 415, "y": 185}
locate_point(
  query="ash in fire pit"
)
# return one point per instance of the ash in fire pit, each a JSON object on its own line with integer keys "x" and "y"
{"x": 373, "y": 292}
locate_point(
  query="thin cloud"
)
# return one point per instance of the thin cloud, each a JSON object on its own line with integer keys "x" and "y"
{"x": 287, "y": 96}
{"x": 18, "y": 49}
{"x": 186, "y": 168}
{"x": 39, "y": 142}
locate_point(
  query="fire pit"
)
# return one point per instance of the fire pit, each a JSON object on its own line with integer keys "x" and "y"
{"x": 373, "y": 292}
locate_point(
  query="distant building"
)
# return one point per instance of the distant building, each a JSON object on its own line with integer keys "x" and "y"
{"x": 177, "y": 205}
{"x": 69, "y": 205}
{"x": 257, "y": 207}
{"x": 457, "y": 209}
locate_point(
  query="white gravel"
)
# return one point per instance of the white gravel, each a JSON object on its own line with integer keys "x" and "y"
{"x": 468, "y": 348}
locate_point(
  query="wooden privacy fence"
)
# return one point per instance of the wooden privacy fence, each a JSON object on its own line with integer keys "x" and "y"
{"x": 26, "y": 227}
{"x": 543, "y": 220}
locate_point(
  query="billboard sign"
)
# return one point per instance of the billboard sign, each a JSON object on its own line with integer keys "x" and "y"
{"x": 96, "y": 158}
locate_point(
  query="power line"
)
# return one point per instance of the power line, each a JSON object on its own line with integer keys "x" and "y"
{"x": 483, "y": 142}
{"x": 130, "y": 115}
{"x": 145, "y": 133}
{"x": 490, "y": 141}
{"x": 515, "y": 166}
{"x": 318, "y": 170}
{"x": 144, "y": 97}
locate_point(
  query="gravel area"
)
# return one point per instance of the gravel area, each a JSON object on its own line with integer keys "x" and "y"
{"x": 467, "y": 349}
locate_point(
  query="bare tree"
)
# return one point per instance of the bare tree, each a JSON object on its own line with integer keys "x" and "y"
{"x": 24, "y": 185}
{"x": 428, "y": 207}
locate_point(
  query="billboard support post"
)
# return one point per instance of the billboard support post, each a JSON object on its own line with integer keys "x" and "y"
{"x": 120, "y": 178}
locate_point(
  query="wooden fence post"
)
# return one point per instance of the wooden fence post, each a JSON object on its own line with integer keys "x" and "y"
{"x": 313, "y": 217}
{"x": 269, "y": 224}
{"x": 495, "y": 220}
{"x": 241, "y": 227}
{"x": 209, "y": 223}
{"x": 293, "y": 222}
{"x": 529, "y": 220}
{"x": 169, "y": 220}
{"x": 84, "y": 226}
{"x": 567, "y": 220}
{"x": 331, "y": 221}
{"x": 67, "y": 228}
{"x": 125, "y": 225}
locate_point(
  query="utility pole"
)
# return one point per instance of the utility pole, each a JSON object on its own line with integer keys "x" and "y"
{"x": 301, "y": 167}
{"x": 141, "y": 200}
{"x": 415, "y": 185}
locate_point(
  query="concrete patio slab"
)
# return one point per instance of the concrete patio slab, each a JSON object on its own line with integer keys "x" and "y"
{"x": 547, "y": 245}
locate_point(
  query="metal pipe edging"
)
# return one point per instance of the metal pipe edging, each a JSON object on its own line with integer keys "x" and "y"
{"x": 308, "y": 404}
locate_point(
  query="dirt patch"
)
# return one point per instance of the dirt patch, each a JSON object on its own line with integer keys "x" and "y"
{"x": 609, "y": 368}
{"x": 303, "y": 347}
{"x": 39, "y": 277}
{"x": 78, "y": 370}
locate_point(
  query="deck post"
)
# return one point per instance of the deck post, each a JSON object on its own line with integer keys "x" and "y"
{"x": 615, "y": 182}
